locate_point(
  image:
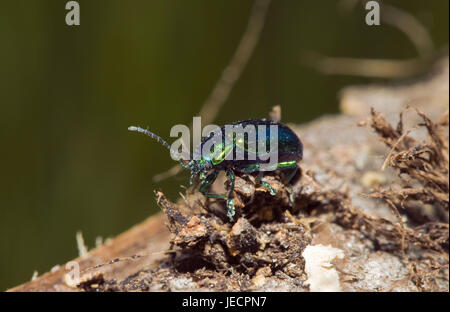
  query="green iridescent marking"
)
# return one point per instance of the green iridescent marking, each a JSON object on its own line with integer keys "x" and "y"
{"x": 286, "y": 164}
{"x": 217, "y": 159}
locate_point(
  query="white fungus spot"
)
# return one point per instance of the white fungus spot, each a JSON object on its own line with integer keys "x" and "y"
{"x": 322, "y": 276}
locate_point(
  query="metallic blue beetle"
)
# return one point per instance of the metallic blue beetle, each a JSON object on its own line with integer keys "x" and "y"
{"x": 206, "y": 166}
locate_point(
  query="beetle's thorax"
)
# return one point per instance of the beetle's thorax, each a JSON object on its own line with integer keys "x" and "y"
{"x": 199, "y": 168}
{"x": 199, "y": 165}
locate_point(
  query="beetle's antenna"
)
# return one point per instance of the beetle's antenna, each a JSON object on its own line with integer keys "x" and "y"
{"x": 150, "y": 134}
{"x": 157, "y": 138}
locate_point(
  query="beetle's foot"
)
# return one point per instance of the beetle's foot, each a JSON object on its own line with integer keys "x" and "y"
{"x": 291, "y": 196}
{"x": 230, "y": 206}
{"x": 269, "y": 187}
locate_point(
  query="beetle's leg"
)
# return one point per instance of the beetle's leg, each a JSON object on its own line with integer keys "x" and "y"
{"x": 266, "y": 185}
{"x": 250, "y": 168}
{"x": 291, "y": 174}
{"x": 292, "y": 171}
{"x": 230, "y": 200}
{"x": 207, "y": 182}
{"x": 255, "y": 167}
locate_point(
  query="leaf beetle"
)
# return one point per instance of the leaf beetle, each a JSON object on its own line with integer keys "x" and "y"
{"x": 206, "y": 166}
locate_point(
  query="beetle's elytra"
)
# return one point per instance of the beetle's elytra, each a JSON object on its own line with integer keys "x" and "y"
{"x": 206, "y": 166}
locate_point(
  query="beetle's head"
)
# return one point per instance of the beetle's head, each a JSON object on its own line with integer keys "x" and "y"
{"x": 199, "y": 168}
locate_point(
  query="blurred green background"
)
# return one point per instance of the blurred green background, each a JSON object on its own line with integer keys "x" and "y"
{"x": 68, "y": 95}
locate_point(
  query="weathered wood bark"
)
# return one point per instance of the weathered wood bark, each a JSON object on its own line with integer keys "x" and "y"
{"x": 150, "y": 236}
